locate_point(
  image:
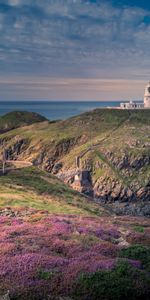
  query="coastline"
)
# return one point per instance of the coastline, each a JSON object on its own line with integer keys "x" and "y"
{"x": 56, "y": 110}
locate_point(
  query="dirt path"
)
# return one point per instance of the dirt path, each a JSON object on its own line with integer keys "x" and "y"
{"x": 16, "y": 164}
{"x": 94, "y": 146}
{"x": 19, "y": 164}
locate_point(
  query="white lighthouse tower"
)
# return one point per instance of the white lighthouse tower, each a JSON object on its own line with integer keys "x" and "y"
{"x": 147, "y": 96}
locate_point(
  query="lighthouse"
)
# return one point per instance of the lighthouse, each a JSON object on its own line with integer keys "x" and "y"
{"x": 138, "y": 105}
{"x": 147, "y": 96}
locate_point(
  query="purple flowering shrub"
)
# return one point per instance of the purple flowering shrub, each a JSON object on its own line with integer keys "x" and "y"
{"x": 139, "y": 238}
{"x": 47, "y": 256}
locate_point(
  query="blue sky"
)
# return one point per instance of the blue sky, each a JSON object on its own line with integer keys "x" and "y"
{"x": 74, "y": 49}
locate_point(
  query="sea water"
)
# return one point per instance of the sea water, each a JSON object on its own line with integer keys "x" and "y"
{"x": 54, "y": 110}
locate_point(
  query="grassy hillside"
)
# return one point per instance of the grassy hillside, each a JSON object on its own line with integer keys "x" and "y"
{"x": 33, "y": 188}
{"x": 58, "y": 244}
{"x": 96, "y": 126}
{"x": 116, "y": 142}
{"x": 17, "y": 119}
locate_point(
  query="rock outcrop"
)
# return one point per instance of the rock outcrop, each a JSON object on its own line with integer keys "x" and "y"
{"x": 5, "y": 296}
{"x": 113, "y": 168}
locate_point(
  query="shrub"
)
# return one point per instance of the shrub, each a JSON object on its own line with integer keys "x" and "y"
{"x": 139, "y": 229}
{"x": 122, "y": 282}
{"x": 137, "y": 252}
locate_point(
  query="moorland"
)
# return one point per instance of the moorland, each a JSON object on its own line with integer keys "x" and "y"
{"x": 74, "y": 213}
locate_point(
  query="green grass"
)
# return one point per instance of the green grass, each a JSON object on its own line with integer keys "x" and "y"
{"x": 115, "y": 171}
{"x": 97, "y": 173}
{"x": 33, "y": 188}
{"x": 138, "y": 252}
{"x": 113, "y": 129}
{"x": 139, "y": 228}
{"x": 119, "y": 283}
{"x": 17, "y": 119}
{"x": 100, "y": 121}
{"x": 45, "y": 274}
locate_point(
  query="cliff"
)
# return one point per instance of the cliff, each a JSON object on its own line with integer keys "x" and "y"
{"x": 57, "y": 243}
{"x": 112, "y": 146}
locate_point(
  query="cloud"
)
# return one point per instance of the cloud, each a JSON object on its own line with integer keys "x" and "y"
{"x": 74, "y": 38}
{"x": 14, "y": 2}
{"x": 70, "y": 89}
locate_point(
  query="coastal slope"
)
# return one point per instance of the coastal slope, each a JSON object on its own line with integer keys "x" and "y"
{"x": 17, "y": 119}
{"x": 112, "y": 148}
{"x": 58, "y": 243}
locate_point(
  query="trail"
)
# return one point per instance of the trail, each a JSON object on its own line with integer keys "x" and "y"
{"x": 16, "y": 164}
{"x": 94, "y": 146}
{"x": 20, "y": 163}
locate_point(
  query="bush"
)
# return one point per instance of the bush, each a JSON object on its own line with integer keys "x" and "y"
{"x": 123, "y": 282}
{"x": 138, "y": 252}
{"x": 139, "y": 229}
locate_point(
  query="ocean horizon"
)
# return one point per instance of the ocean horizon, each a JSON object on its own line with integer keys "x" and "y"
{"x": 54, "y": 110}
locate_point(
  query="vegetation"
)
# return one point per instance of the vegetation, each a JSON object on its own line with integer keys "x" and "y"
{"x": 119, "y": 283}
{"x": 71, "y": 256}
{"x": 138, "y": 252}
{"x": 123, "y": 133}
{"x": 31, "y": 187}
{"x": 17, "y": 119}
{"x": 139, "y": 228}
{"x": 57, "y": 243}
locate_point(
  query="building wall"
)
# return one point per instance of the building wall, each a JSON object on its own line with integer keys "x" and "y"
{"x": 134, "y": 105}
{"x": 147, "y": 96}
{"x": 147, "y": 102}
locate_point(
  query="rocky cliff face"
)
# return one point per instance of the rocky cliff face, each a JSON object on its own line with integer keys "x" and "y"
{"x": 114, "y": 166}
{"x": 125, "y": 185}
{"x": 49, "y": 157}
{"x": 115, "y": 181}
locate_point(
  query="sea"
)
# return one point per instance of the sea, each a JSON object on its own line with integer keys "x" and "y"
{"x": 54, "y": 110}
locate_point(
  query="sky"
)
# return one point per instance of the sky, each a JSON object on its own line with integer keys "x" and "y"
{"x": 74, "y": 49}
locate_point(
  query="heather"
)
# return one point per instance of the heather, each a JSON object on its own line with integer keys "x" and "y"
{"x": 67, "y": 255}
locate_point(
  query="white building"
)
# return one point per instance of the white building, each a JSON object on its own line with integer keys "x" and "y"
{"x": 138, "y": 105}
{"x": 131, "y": 105}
